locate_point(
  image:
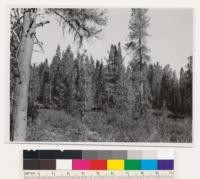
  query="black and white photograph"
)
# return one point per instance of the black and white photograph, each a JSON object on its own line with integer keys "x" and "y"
{"x": 120, "y": 75}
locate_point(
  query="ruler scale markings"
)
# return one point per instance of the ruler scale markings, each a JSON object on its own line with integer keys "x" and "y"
{"x": 162, "y": 175}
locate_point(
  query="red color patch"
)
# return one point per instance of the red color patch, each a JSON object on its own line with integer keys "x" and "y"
{"x": 98, "y": 164}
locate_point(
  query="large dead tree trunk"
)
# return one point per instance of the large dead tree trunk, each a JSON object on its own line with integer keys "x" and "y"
{"x": 24, "y": 62}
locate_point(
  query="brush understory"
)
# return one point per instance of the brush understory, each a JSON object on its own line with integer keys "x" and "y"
{"x": 59, "y": 126}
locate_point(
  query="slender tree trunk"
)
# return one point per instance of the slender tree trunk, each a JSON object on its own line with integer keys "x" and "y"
{"x": 24, "y": 61}
{"x": 141, "y": 77}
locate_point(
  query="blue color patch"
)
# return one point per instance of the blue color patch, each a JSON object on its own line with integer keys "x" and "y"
{"x": 149, "y": 164}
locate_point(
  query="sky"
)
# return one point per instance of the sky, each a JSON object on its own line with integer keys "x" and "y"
{"x": 170, "y": 37}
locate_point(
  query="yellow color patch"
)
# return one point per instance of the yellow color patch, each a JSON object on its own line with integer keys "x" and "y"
{"x": 115, "y": 164}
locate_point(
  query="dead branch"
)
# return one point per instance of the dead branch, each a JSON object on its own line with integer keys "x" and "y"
{"x": 41, "y": 24}
{"x": 18, "y": 40}
{"x": 40, "y": 44}
{"x": 17, "y": 23}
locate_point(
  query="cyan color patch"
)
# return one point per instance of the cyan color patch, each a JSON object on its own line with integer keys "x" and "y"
{"x": 149, "y": 164}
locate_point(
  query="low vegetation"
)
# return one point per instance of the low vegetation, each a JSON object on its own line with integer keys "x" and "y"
{"x": 53, "y": 125}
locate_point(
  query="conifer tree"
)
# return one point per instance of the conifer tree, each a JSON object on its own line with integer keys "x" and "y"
{"x": 175, "y": 94}
{"x": 137, "y": 46}
{"x": 114, "y": 77}
{"x": 165, "y": 92}
{"x": 34, "y": 92}
{"x": 189, "y": 88}
{"x": 79, "y": 85}
{"x": 44, "y": 74}
{"x": 68, "y": 80}
{"x": 101, "y": 95}
{"x": 185, "y": 84}
{"x": 182, "y": 83}
{"x": 34, "y": 86}
{"x": 111, "y": 75}
{"x": 56, "y": 80}
{"x": 155, "y": 73}
{"x": 89, "y": 72}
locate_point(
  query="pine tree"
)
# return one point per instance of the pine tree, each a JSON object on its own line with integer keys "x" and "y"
{"x": 155, "y": 74}
{"x": 182, "y": 90}
{"x": 97, "y": 80}
{"x": 68, "y": 80}
{"x": 79, "y": 85}
{"x": 186, "y": 88}
{"x": 166, "y": 88}
{"x": 120, "y": 86}
{"x": 175, "y": 94}
{"x": 131, "y": 93}
{"x": 189, "y": 78}
{"x": 138, "y": 25}
{"x": 101, "y": 95}
{"x": 111, "y": 76}
{"x": 44, "y": 73}
{"x": 56, "y": 80}
{"x": 93, "y": 90}
{"x": 114, "y": 77}
{"x": 89, "y": 72}
{"x": 34, "y": 86}
{"x": 34, "y": 93}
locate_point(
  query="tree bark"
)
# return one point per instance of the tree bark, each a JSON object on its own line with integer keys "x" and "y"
{"x": 22, "y": 84}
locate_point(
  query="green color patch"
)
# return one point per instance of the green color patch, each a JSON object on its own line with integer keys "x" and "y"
{"x": 132, "y": 164}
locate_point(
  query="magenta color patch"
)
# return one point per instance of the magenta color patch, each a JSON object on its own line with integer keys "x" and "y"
{"x": 80, "y": 164}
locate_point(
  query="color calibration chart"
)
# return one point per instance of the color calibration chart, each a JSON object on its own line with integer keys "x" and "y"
{"x": 104, "y": 164}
